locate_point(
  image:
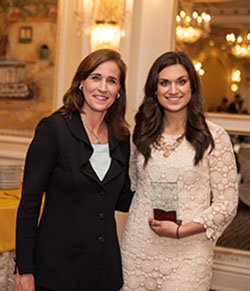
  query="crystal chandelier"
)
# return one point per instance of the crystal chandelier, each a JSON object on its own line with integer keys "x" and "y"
{"x": 240, "y": 46}
{"x": 103, "y": 21}
{"x": 191, "y": 27}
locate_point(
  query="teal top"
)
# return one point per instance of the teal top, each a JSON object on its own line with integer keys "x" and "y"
{"x": 100, "y": 159}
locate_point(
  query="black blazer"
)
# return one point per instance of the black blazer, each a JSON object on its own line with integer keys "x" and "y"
{"x": 75, "y": 246}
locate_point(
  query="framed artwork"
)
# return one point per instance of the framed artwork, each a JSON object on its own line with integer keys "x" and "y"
{"x": 27, "y": 65}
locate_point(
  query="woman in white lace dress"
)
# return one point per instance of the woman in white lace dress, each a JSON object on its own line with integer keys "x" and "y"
{"x": 174, "y": 143}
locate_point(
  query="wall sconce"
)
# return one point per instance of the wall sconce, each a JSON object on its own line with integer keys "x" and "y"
{"x": 103, "y": 20}
{"x": 236, "y": 78}
{"x": 236, "y": 75}
{"x": 234, "y": 87}
{"x": 198, "y": 68}
{"x": 105, "y": 35}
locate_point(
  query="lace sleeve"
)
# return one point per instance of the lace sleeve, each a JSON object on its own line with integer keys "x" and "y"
{"x": 224, "y": 187}
{"x": 133, "y": 167}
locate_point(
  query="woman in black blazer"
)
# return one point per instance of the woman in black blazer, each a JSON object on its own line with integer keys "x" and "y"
{"x": 79, "y": 158}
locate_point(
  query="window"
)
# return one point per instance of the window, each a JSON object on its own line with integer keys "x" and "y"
{"x": 25, "y": 34}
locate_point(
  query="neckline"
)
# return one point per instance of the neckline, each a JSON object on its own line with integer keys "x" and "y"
{"x": 172, "y": 135}
{"x": 99, "y": 144}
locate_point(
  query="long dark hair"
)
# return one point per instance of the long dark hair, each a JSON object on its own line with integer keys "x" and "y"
{"x": 73, "y": 99}
{"x": 149, "y": 118}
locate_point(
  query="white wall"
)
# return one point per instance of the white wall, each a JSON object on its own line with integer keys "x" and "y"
{"x": 151, "y": 35}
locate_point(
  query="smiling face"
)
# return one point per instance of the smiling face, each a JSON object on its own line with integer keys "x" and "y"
{"x": 101, "y": 87}
{"x": 173, "y": 88}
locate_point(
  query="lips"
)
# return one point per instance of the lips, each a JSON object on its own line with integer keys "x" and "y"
{"x": 173, "y": 99}
{"x": 100, "y": 97}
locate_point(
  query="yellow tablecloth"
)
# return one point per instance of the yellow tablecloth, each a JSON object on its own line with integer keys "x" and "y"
{"x": 8, "y": 211}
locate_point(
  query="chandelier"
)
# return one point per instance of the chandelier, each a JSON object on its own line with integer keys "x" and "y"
{"x": 103, "y": 21}
{"x": 191, "y": 27}
{"x": 240, "y": 46}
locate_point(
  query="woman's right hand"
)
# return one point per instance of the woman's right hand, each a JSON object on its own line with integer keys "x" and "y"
{"x": 25, "y": 282}
{"x": 164, "y": 228}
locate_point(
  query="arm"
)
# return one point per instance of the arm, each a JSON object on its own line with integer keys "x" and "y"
{"x": 133, "y": 167}
{"x": 40, "y": 161}
{"x": 126, "y": 195}
{"x": 173, "y": 230}
{"x": 224, "y": 187}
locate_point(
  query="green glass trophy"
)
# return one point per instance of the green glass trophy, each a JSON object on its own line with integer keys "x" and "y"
{"x": 165, "y": 202}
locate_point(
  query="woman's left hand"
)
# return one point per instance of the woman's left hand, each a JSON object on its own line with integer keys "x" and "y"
{"x": 163, "y": 227}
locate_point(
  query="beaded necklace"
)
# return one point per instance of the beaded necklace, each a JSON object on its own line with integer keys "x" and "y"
{"x": 168, "y": 148}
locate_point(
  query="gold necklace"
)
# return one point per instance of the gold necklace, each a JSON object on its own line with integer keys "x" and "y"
{"x": 97, "y": 139}
{"x": 168, "y": 148}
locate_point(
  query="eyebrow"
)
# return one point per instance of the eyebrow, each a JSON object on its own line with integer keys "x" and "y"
{"x": 97, "y": 74}
{"x": 183, "y": 76}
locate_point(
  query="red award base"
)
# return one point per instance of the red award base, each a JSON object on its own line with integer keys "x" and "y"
{"x": 160, "y": 214}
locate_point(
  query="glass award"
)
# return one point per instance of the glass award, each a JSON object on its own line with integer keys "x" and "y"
{"x": 165, "y": 202}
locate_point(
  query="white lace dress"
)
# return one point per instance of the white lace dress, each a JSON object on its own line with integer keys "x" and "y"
{"x": 208, "y": 194}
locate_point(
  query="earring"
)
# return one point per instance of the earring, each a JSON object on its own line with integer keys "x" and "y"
{"x": 118, "y": 95}
{"x": 80, "y": 87}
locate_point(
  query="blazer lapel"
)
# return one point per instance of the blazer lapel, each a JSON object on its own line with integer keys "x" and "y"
{"x": 85, "y": 149}
{"x": 118, "y": 159}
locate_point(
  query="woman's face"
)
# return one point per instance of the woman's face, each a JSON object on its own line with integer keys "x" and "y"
{"x": 173, "y": 88}
{"x": 101, "y": 87}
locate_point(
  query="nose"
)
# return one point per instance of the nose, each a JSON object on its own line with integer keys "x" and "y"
{"x": 103, "y": 85}
{"x": 173, "y": 89}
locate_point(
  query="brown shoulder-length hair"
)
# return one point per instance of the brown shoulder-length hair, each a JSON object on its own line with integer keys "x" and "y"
{"x": 73, "y": 99}
{"x": 149, "y": 118}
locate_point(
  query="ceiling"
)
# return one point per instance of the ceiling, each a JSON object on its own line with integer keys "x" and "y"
{"x": 223, "y": 12}
{"x": 226, "y": 16}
